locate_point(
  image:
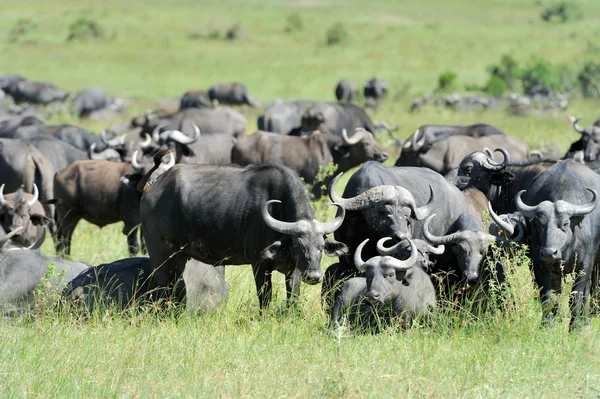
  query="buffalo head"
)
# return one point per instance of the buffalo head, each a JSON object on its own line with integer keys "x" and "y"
{"x": 590, "y": 140}
{"x": 16, "y": 213}
{"x": 479, "y": 170}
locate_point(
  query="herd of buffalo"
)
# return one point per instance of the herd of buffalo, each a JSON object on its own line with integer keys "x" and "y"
{"x": 196, "y": 192}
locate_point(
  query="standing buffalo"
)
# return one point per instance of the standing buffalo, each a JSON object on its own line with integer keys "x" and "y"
{"x": 587, "y": 148}
{"x": 8, "y": 83}
{"x": 211, "y": 149}
{"x": 308, "y": 154}
{"x": 375, "y": 88}
{"x": 195, "y": 99}
{"x": 220, "y": 215}
{"x": 346, "y": 91}
{"x": 335, "y": 117}
{"x": 22, "y": 211}
{"x": 28, "y": 91}
{"x": 231, "y": 94}
{"x": 283, "y": 117}
{"x": 426, "y": 135}
{"x": 564, "y": 231}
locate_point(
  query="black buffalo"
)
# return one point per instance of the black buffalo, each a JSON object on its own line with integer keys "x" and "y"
{"x": 34, "y": 92}
{"x": 283, "y": 117}
{"x": 195, "y": 99}
{"x": 221, "y": 215}
{"x": 231, "y": 94}
{"x": 346, "y": 91}
{"x": 426, "y": 135}
{"x": 22, "y": 211}
{"x": 587, "y": 148}
{"x": 10, "y": 123}
{"x": 89, "y": 100}
{"x": 375, "y": 88}
{"x": 335, "y": 117}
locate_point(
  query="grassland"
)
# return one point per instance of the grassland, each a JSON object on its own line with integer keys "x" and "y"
{"x": 157, "y": 49}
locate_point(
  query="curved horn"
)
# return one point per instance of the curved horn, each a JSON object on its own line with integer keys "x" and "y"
{"x": 576, "y": 126}
{"x": 580, "y": 210}
{"x": 135, "y": 163}
{"x": 415, "y": 144}
{"x": 359, "y": 135}
{"x": 363, "y": 200}
{"x": 156, "y": 132}
{"x": 8, "y": 236}
{"x": 388, "y": 251}
{"x": 92, "y": 152}
{"x": 358, "y": 262}
{"x": 330, "y": 227}
{"x": 439, "y": 250}
{"x": 488, "y": 152}
{"x": 290, "y": 228}
{"x": 147, "y": 141}
{"x": 119, "y": 140}
{"x": 38, "y": 243}
{"x": 170, "y": 161}
{"x": 36, "y": 196}
{"x": 435, "y": 240}
{"x": 424, "y": 211}
{"x": 403, "y": 265}
{"x": 2, "y": 199}
{"x": 182, "y": 138}
{"x": 526, "y": 210}
{"x": 519, "y": 236}
{"x": 507, "y": 227}
{"x": 103, "y": 136}
{"x": 497, "y": 166}
{"x": 536, "y": 154}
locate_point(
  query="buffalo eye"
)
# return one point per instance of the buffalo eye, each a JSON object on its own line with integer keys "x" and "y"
{"x": 566, "y": 224}
{"x": 390, "y": 275}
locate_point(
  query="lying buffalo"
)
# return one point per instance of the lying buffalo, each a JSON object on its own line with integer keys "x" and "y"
{"x": 28, "y": 91}
{"x": 195, "y": 99}
{"x": 89, "y": 100}
{"x": 426, "y": 135}
{"x": 231, "y": 94}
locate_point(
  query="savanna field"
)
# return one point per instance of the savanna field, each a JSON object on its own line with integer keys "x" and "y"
{"x": 157, "y": 49}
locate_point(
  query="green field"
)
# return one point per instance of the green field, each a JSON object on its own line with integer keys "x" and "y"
{"x": 155, "y": 49}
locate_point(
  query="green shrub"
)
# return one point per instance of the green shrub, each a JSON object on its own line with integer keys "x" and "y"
{"x": 446, "y": 82}
{"x": 294, "y": 23}
{"x": 564, "y": 11}
{"x": 85, "y": 29}
{"x": 540, "y": 72}
{"x": 19, "y": 32}
{"x": 495, "y": 86}
{"x": 337, "y": 34}
{"x": 589, "y": 79}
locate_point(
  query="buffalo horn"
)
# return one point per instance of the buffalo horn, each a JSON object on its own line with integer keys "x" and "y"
{"x": 518, "y": 238}
{"x": 358, "y": 262}
{"x": 2, "y": 200}
{"x": 359, "y": 135}
{"x": 147, "y": 141}
{"x": 36, "y": 196}
{"x": 156, "y": 132}
{"x": 383, "y": 250}
{"x": 526, "y": 210}
{"x": 330, "y": 227}
{"x": 170, "y": 161}
{"x": 580, "y": 210}
{"x": 135, "y": 163}
{"x": 435, "y": 240}
{"x": 182, "y": 138}
{"x": 576, "y": 126}
{"x": 497, "y": 166}
{"x": 507, "y": 227}
{"x": 8, "y": 236}
{"x": 290, "y": 228}
{"x": 403, "y": 265}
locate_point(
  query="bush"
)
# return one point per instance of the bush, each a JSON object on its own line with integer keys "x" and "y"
{"x": 495, "y": 86}
{"x": 446, "y": 82}
{"x": 337, "y": 34}
{"x": 234, "y": 33}
{"x": 20, "y": 31}
{"x": 294, "y": 23}
{"x": 563, "y": 11}
{"x": 540, "y": 73}
{"x": 589, "y": 79}
{"x": 85, "y": 29}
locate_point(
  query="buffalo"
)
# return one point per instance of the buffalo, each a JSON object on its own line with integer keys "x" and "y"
{"x": 23, "y": 211}
{"x": 283, "y": 117}
{"x": 375, "y": 88}
{"x": 426, "y": 135}
{"x": 211, "y": 149}
{"x": 33, "y": 92}
{"x": 195, "y": 99}
{"x": 89, "y": 100}
{"x": 346, "y": 91}
{"x": 231, "y": 94}
{"x": 587, "y": 148}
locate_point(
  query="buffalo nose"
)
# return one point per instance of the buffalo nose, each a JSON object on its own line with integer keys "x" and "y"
{"x": 373, "y": 296}
{"x": 313, "y": 277}
{"x": 550, "y": 254}
{"x": 471, "y": 276}
{"x": 384, "y": 156}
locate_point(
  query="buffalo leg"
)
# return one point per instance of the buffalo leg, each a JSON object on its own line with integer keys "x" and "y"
{"x": 292, "y": 286}
{"x": 578, "y": 301}
{"x": 64, "y": 232}
{"x": 132, "y": 239}
{"x": 333, "y": 279}
{"x": 264, "y": 286}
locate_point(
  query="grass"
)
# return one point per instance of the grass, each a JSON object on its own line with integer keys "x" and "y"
{"x": 155, "y": 49}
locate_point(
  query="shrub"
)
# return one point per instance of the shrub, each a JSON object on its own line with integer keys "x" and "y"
{"x": 446, "y": 82}
{"x": 85, "y": 29}
{"x": 294, "y": 23}
{"x": 337, "y": 34}
{"x": 20, "y": 31}
{"x": 234, "y": 33}
{"x": 589, "y": 79}
{"x": 495, "y": 86}
{"x": 540, "y": 73}
{"x": 563, "y": 11}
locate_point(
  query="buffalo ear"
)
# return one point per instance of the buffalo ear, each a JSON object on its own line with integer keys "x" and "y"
{"x": 39, "y": 220}
{"x": 187, "y": 151}
{"x": 274, "y": 252}
{"x": 342, "y": 151}
{"x": 335, "y": 248}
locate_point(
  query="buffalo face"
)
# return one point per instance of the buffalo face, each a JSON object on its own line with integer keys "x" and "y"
{"x": 480, "y": 171}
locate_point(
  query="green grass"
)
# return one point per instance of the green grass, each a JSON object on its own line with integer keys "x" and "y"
{"x": 155, "y": 49}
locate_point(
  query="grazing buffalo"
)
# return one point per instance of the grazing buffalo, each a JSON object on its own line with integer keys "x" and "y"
{"x": 231, "y": 94}
{"x": 389, "y": 288}
{"x": 284, "y": 117}
{"x": 308, "y": 154}
{"x": 8, "y": 83}
{"x": 220, "y": 120}
{"x": 10, "y": 123}
{"x": 23, "y": 165}
{"x": 258, "y": 215}
{"x": 195, "y": 99}
{"x": 443, "y": 156}
{"x": 587, "y": 148}
{"x": 426, "y": 135}
{"x": 22, "y": 211}
{"x": 29, "y": 91}
{"x": 500, "y": 182}
{"x": 211, "y": 149}
{"x": 346, "y": 91}
{"x": 375, "y": 88}
{"x": 563, "y": 220}
{"x": 23, "y": 269}
{"x": 335, "y": 117}
{"x": 126, "y": 282}
{"x": 102, "y": 193}
{"x": 89, "y": 100}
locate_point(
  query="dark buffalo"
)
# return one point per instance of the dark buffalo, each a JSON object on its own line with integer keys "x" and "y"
{"x": 346, "y": 91}
{"x": 389, "y": 288}
{"x": 23, "y": 269}
{"x": 231, "y": 94}
{"x": 8, "y": 83}
{"x": 335, "y": 117}
{"x": 89, "y": 100}
{"x": 10, "y": 123}
{"x": 443, "y": 156}
{"x": 283, "y": 117}
{"x": 563, "y": 223}
{"x": 76, "y": 136}
{"x": 28, "y": 91}
{"x": 211, "y": 149}
{"x": 426, "y": 135}
{"x": 195, "y": 99}
{"x": 126, "y": 282}
{"x": 587, "y": 148}
{"x": 220, "y": 120}
{"x": 308, "y": 154}
{"x": 24, "y": 211}
{"x": 375, "y": 88}
{"x": 100, "y": 192}
{"x": 220, "y": 215}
